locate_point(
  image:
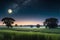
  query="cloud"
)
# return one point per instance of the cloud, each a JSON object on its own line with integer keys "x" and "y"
{"x": 26, "y": 2}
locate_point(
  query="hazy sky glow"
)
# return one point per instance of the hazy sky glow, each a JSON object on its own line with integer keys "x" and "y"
{"x": 28, "y": 22}
{"x": 30, "y": 11}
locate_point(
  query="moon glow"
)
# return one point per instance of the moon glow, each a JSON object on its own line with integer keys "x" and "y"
{"x": 10, "y": 11}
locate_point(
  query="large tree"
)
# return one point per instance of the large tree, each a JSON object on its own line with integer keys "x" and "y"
{"x": 8, "y": 21}
{"x": 51, "y": 22}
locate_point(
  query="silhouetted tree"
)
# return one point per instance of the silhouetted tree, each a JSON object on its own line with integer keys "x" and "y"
{"x": 37, "y": 25}
{"x": 16, "y": 25}
{"x": 51, "y": 23}
{"x": 31, "y": 26}
{"x": 8, "y": 21}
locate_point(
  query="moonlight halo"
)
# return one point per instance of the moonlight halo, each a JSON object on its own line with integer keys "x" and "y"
{"x": 10, "y": 11}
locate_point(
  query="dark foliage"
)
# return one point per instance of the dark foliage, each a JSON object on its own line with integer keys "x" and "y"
{"x": 16, "y": 25}
{"x": 31, "y": 26}
{"x": 37, "y": 25}
{"x": 8, "y": 21}
{"x": 51, "y": 23}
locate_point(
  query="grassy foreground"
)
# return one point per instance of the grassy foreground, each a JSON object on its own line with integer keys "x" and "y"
{"x": 20, "y": 35}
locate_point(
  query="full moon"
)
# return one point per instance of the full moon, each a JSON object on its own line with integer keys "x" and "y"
{"x": 10, "y": 11}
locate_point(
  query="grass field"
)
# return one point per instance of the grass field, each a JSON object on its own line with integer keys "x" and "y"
{"x": 29, "y": 34}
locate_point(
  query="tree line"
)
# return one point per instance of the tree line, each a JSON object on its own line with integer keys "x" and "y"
{"x": 48, "y": 23}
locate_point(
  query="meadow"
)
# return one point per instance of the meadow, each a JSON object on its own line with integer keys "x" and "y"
{"x": 29, "y": 34}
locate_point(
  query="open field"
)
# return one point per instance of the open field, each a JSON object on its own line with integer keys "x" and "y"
{"x": 29, "y": 34}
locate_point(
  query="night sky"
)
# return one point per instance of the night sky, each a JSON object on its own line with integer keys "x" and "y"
{"x": 30, "y": 11}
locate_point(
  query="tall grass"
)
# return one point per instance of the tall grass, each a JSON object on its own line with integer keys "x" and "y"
{"x": 16, "y": 35}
